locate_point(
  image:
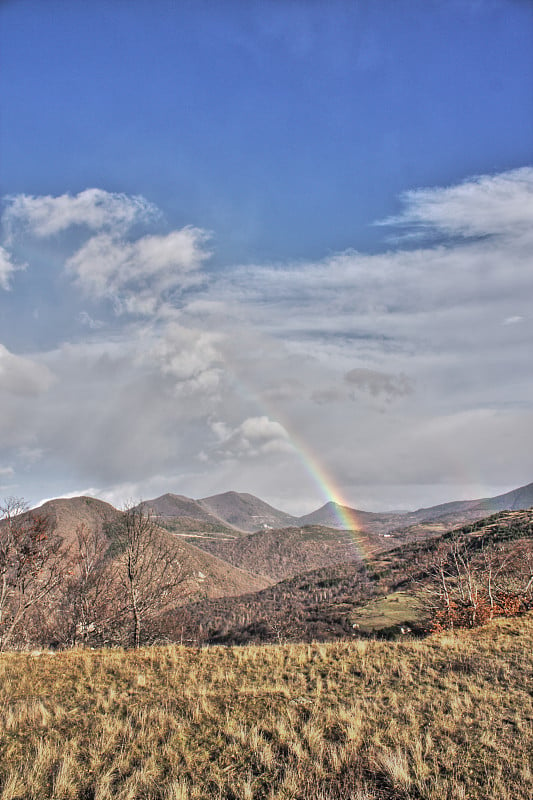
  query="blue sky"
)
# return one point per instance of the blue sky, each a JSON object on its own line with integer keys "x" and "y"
{"x": 288, "y": 248}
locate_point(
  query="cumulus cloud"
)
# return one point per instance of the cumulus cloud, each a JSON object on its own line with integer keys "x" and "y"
{"x": 188, "y": 356}
{"x": 95, "y": 209}
{"x": 21, "y": 375}
{"x": 137, "y": 274}
{"x": 255, "y": 436}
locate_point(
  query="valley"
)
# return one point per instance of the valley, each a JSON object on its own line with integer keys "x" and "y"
{"x": 202, "y": 577}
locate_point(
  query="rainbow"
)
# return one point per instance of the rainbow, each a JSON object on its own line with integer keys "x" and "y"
{"x": 346, "y": 516}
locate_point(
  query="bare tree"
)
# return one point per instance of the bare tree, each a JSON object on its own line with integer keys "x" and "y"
{"x": 29, "y": 564}
{"x": 85, "y": 608}
{"x": 476, "y": 579}
{"x": 149, "y": 567}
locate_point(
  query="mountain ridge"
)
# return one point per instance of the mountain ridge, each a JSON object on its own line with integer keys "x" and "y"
{"x": 246, "y": 513}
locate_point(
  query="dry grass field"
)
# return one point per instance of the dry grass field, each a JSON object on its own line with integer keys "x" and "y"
{"x": 446, "y": 718}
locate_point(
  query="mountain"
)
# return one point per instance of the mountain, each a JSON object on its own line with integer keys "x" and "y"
{"x": 209, "y": 575}
{"x": 335, "y": 516}
{"x": 246, "y": 512}
{"x": 510, "y": 501}
{"x": 423, "y": 521}
{"x": 213, "y": 523}
{"x": 185, "y": 515}
{"x": 437, "y": 519}
{"x": 230, "y": 513}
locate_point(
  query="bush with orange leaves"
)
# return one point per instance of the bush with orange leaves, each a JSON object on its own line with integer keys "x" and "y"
{"x": 465, "y": 614}
{"x": 475, "y": 580}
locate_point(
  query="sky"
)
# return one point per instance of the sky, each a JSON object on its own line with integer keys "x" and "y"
{"x": 276, "y": 247}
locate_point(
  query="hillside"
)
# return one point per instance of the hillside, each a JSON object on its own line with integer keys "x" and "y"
{"x": 449, "y": 717}
{"x": 246, "y": 512}
{"x": 212, "y": 576}
{"x": 223, "y": 591}
{"x": 279, "y": 554}
{"x": 325, "y": 603}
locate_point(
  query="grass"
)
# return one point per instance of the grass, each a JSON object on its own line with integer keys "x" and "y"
{"x": 396, "y": 610}
{"x": 447, "y": 718}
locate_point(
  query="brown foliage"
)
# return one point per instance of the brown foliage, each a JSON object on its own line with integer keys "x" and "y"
{"x": 465, "y": 614}
{"x": 478, "y": 581}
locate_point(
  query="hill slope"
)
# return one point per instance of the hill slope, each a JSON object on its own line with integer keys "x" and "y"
{"x": 438, "y": 719}
{"x": 278, "y": 554}
{"x": 246, "y": 512}
{"x": 209, "y": 575}
{"x": 323, "y": 603}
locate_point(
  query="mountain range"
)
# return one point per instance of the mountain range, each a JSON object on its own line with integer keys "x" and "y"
{"x": 207, "y": 575}
{"x": 238, "y": 563}
{"x": 243, "y": 513}
{"x": 238, "y": 543}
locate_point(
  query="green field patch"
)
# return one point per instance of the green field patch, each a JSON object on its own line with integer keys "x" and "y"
{"x": 396, "y": 610}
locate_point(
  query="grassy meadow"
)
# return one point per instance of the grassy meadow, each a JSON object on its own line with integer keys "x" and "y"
{"x": 449, "y": 717}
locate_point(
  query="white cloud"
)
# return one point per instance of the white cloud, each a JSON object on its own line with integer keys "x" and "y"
{"x": 255, "y": 436}
{"x": 7, "y": 267}
{"x": 403, "y": 303}
{"x": 95, "y": 209}
{"x": 484, "y": 205}
{"x": 262, "y": 429}
{"x": 188, "y": 356}
{"x": 20, "y": 375}
{"x": 137, "y": 274}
